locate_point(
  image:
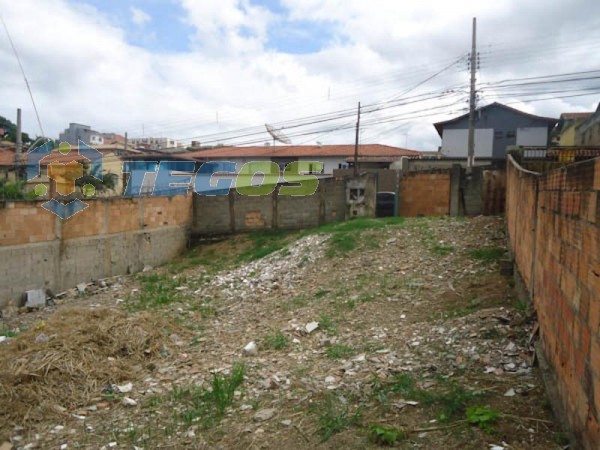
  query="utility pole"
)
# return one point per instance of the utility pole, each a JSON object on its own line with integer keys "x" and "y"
{"x": 19, "y": 147}
{"x": 472, "y": 98}
{"x": 125, "y": 144}
{"x": 19, "y": 137}
{"x": 356, "y": 142}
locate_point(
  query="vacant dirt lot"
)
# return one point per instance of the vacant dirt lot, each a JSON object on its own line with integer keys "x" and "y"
{"x": 368, "y": 333}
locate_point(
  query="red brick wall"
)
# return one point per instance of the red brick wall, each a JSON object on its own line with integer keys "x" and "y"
{"x": 22, "y": 223}
{"x": 26, "y": 222}
{"x": 425, "y": 193}
{"x": 565, "y": 278}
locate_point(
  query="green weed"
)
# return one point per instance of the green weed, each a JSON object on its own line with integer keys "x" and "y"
{"x": 264, "y": 243}
{"x": 155, "y": 291}
{"x": 482, "y": 416}
{"x": 207, "y": 406}
{"x": 386, "y": 435}
{"x": 327, "y": 324}
{"x": 339, "y": 351}
{"x": 335, "y": 416}
{"x": 487, "y": 254}
{"x": 276, "y": 341}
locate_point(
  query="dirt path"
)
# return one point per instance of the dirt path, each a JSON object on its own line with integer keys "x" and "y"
{"x": 420, "y": 343}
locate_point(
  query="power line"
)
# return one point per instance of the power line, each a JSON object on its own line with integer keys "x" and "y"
{"x": 24, "y": 76}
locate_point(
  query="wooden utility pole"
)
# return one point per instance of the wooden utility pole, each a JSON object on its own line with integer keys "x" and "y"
{"x": 356, "y": 142}
{"x": 472, "y": 98}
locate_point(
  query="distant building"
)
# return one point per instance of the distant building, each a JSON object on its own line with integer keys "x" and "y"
{"x": 567, "y": 125}
{"x": 78, "y": 132}
{"x": 497, "y": 126}
{"x": 588, "y": 132}
{"x": 332, "y": 156}
{"x": 161, "y": 144}
{"x": 113, "y": 138}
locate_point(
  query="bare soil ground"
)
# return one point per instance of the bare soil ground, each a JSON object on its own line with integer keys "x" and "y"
{"x": 420, "y": 343}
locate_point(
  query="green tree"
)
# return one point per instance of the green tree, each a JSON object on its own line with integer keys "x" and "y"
{"x": 10, "y": 131}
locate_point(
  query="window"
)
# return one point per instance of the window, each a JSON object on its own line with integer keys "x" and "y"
{"x": 511, "y": 134}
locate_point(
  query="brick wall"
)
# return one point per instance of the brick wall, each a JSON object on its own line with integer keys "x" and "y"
{"x": 425, "y": 193}
{"x": 111, "y": 237}
{"x": 554, "y": 229}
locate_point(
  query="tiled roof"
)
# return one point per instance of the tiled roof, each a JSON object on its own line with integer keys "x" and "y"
{"x": 7, "y": 157}
{"x": 289, "y": 151}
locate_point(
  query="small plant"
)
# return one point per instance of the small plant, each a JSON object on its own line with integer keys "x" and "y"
{"x": 384, "y": 435}
{"x": 276, "y": 341}
{"x": 7, "y": 333}
{"x": 487, "y": 254}
{"x": 156, "y": 290}
{"x": 482, "y": 416}
{"x": 327, "y": 324}
{"x": 339, "y": 351}
{"x": 335, "y": 417}
{"x": 264, "y": 243}
{"x": 207, "y": 406}
{"x": 442, "y": 250}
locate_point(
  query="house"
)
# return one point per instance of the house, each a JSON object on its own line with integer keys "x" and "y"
{"x": 567, "y": 125}
{"x": 588, "y": 132}
{"x": 162, "y": 144}
{"x": 497, "y": 126}
{"x": 332, "y": 156}
{"x": 78, "y": 132}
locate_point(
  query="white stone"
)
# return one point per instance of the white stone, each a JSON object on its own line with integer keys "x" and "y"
{"x": 264, "y": 415}
{"x": 251, "y": 348}
{"x": 126, "y": 401}
{"x": 124, "y": 389}
{"x": 312, "y": 326}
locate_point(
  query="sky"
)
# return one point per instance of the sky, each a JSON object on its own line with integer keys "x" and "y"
{"x": 216, "y": 71}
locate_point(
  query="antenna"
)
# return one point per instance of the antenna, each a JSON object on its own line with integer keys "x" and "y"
{"x": 277, "y": 135}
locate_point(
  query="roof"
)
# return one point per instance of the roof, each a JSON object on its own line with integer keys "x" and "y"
{"x": 439, "y": 126}
{"x": 575, "y": 116}
{"x": 288, "y": 151}
{"x": 7, "y": 157}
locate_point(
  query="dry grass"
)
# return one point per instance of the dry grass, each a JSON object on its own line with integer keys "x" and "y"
{"x": 86, "y": 351}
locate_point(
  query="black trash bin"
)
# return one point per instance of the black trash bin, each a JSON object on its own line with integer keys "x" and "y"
{"x": 385, "y": 204}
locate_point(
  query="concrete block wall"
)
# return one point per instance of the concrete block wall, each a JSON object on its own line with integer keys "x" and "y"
{"x": 554, "y": 230}
{"x": 425, "y": 193}
{"x": 111, "y": 237}
{"x": 239, "y": 213}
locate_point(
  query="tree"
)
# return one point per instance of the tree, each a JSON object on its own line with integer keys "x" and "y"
{"x": 10, "y": 131}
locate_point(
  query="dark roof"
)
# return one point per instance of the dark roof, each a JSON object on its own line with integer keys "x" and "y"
{"x": 439, "y": 126}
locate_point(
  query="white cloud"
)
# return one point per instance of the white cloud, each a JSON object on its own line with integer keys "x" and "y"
{"x": 139, "y": 17}
{"x": 83, "y": 69}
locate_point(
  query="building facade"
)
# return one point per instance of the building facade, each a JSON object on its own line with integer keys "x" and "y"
{"x": 496, "y": 127}
{"x": 78, "y": 132}
{"x": 588, "y": 132}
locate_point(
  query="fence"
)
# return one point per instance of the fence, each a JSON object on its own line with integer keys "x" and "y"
{"x": 554, "y": 229}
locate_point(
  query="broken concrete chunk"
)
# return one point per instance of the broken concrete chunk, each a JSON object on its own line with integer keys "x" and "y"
{"x": 42, "y": 337}
{"x": 128, "y": 401}
{"x": 264, "y": 415}
{"x": 124, "y": 389}
{"x": 312, "y": 326}
{"x": 251, "y": 348}
{"x": 81, "y": 288}
{"x": 35, "y": 298}
{"x": 510, "y": 393}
